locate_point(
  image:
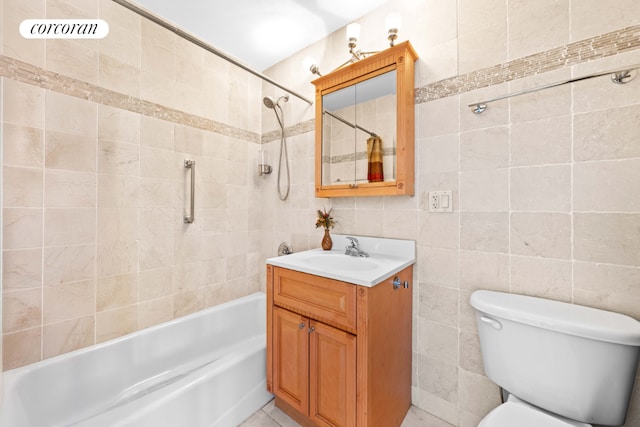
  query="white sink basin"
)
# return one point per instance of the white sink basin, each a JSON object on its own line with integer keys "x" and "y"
{"x": 340, "y": 262}
{"x": 387, "y": 257}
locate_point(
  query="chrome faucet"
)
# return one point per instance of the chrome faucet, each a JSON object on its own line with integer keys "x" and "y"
{"x": 353, "y": 249}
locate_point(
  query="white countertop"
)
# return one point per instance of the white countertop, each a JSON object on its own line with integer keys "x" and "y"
{"x": 386, "y": 258}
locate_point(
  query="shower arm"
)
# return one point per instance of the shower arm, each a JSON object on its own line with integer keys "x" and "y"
{"x": 349, "y": 123}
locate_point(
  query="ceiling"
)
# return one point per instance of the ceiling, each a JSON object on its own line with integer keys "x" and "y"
{"x": 260, "y": 33}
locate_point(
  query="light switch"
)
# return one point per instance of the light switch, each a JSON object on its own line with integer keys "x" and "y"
{"x": 440, "y": 201}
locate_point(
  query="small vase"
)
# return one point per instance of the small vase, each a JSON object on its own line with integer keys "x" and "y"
{"x": 327, "y": 243}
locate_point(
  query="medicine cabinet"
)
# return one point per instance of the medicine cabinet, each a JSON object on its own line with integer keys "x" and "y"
{"x": 365, "y": 126}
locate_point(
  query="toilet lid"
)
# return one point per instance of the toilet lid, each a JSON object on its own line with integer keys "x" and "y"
{"x": 512, "y": 414}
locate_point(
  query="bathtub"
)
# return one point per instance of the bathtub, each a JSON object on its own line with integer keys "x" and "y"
{"x": 204, "y": 369}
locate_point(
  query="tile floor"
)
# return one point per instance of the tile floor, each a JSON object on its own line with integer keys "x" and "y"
{"x": 270, "y": 416}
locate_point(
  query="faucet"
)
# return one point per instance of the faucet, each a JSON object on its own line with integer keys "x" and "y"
{"x": 353, "y": 249}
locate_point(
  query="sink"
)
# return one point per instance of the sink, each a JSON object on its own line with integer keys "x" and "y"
{"x": 340, "y": 262}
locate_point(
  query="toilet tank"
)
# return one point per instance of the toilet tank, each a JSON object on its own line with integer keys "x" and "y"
{"x": 575, "y": 361}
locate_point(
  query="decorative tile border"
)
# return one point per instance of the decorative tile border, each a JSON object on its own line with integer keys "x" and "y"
{"x": 565, "y": 56}
{"x": 27, "y": 73}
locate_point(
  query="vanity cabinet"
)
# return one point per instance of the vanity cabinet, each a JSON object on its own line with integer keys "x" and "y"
{"x": 339, "y": 354}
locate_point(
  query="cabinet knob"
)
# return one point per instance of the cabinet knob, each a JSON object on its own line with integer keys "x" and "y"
{"x": 396, "y": 283}
{"x": 301, "y": 325}
{"x": 311, "y": 329}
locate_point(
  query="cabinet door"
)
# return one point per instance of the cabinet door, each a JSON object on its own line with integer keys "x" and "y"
{"x": 332, "y": 382}
{"x": 291, "y": 358}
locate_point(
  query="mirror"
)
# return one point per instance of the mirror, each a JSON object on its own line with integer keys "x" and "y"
{"x": 364, "y": 126}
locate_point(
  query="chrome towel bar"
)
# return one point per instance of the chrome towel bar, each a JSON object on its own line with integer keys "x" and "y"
{"x": 191, "y": 164}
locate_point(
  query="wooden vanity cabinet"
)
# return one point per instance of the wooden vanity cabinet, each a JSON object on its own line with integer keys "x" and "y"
{"x": 339, "y": 354}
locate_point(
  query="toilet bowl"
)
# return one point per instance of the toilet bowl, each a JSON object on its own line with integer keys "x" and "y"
{"x": 563, "y": 365}
{"x": 516, "y": 413}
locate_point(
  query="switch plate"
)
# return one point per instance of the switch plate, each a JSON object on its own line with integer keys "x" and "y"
{"x": 440, "y": 201}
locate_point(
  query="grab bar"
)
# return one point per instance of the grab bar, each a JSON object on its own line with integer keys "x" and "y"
{"x": 191, "y": 164}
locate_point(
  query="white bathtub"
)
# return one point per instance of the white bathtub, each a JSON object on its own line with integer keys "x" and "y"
{"x": 205, "y": 369}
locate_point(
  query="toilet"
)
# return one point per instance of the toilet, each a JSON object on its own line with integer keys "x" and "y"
{"x": 562, "y": 365}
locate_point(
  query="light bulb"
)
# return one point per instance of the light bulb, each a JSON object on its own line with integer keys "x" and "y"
{"x": 308, "y": 62}
{"x": 393, "y": 22}
{"x": 353, "y": 31}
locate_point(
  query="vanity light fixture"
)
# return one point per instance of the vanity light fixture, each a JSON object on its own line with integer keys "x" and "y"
{"x": 392, "y": 26}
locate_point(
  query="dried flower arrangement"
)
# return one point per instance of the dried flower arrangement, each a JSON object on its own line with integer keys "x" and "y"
{"x": 325, "y": 219}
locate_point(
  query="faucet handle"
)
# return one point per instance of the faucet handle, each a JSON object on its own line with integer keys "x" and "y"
{"x": 354, "y": 242}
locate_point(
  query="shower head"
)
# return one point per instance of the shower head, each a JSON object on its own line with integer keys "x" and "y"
{"x": 270, "y": 103}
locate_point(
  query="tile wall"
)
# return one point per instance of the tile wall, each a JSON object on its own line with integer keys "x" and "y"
{"x": 546, "y": 198}
{"x": 94, "y": 135}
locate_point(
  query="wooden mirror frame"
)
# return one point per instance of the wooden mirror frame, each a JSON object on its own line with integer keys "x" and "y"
{"x": 400, "y": 58}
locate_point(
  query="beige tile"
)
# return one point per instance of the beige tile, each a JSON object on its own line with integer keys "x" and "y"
{"x": 260, "y": 419}
{"x": 70, "y": 152}
{"x": 537, "y": 26}
{"x": 61, "y": 9}
{"x": 442, "y": 63}
{"x": 470, "y": 354}
{"x": 439, "y": 304}
{"x": 477, "y": 393}
{"x": 119, "y": 15}
{"x": 609, "y": 238}
{"x": 544, "y": 188}
{"x": 118, "y": 125}
{"x": 68, "y": 301}
{"x": 111, "y": 74}
{"x": 483, "y": 270}
{"x": 116, "y": 323}
{"x": 437, "y": 341}
{"x": 439, "y": 230}
{"x": 188, "y": 302}
{"x": 189, "y": 141}
{"x": 539, "y": 277}
{"x": 69, "y": 189}
{"x": 156, "y": 88}
{"x": 609, "y": 287}
{"x": 541, "y": 104}
{"x": 607, "y": 186}
{"x": 21, "y": 269}
{"x": 438, "y": 117}
{"x": 482, "y": 48}
{"x": 591, "y": 17}
{"x": 541, "y": 142}
{"x": 496, "y": 114}
{"x": 116, "y": 291}
{"x": 118, "y": 191}
{"x": 156, "y": 239}
{"x": 117, "y": 257}
{"x": 69, "y": 226}
{"x": 438, "y": 153}
{"x": 21, "y": 348}
{"x": 73, "y": 59}
{"x": 16, "y": 46}
{"x": 439, "y": 378}
{"x": 23, "y": 104}
{"x": 123, "y": 42}
{"x": 157, "y": 193}
{"x": 417, "y": 417}
{"x": 22, "y": 187}
{"x": 156, "y": 311}
{"x": 155, "y": 284}
{"x": 22, "y": 146}
{"x": 484, "y": 231}
{"x": 484, "y": 149}
{"x": 158, "y": 49}
{"x": 117, "y": 224}
{"x": 438, "y": 266}
{"x": 22, "y": 228}
{"x": 541, "y": 234}
{"x": 64, "y": 264}
{"x": 435, "y": 182}
{"x": 68, "y": 114}
{"x": 484, "y": 190}
{"x": 607, "y": 134}
{"x": 68, "y": 335}
{"x": 400, "y": 224}
{"x": 159, "y": 163}
{"x": 474, "y": 16}
{"x": 21, "y": 309}
{"x": 118, "y": 158}
{"x": 156, "y": 133}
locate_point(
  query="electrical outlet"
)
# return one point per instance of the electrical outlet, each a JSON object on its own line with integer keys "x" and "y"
{"x": 440, "y": 201}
